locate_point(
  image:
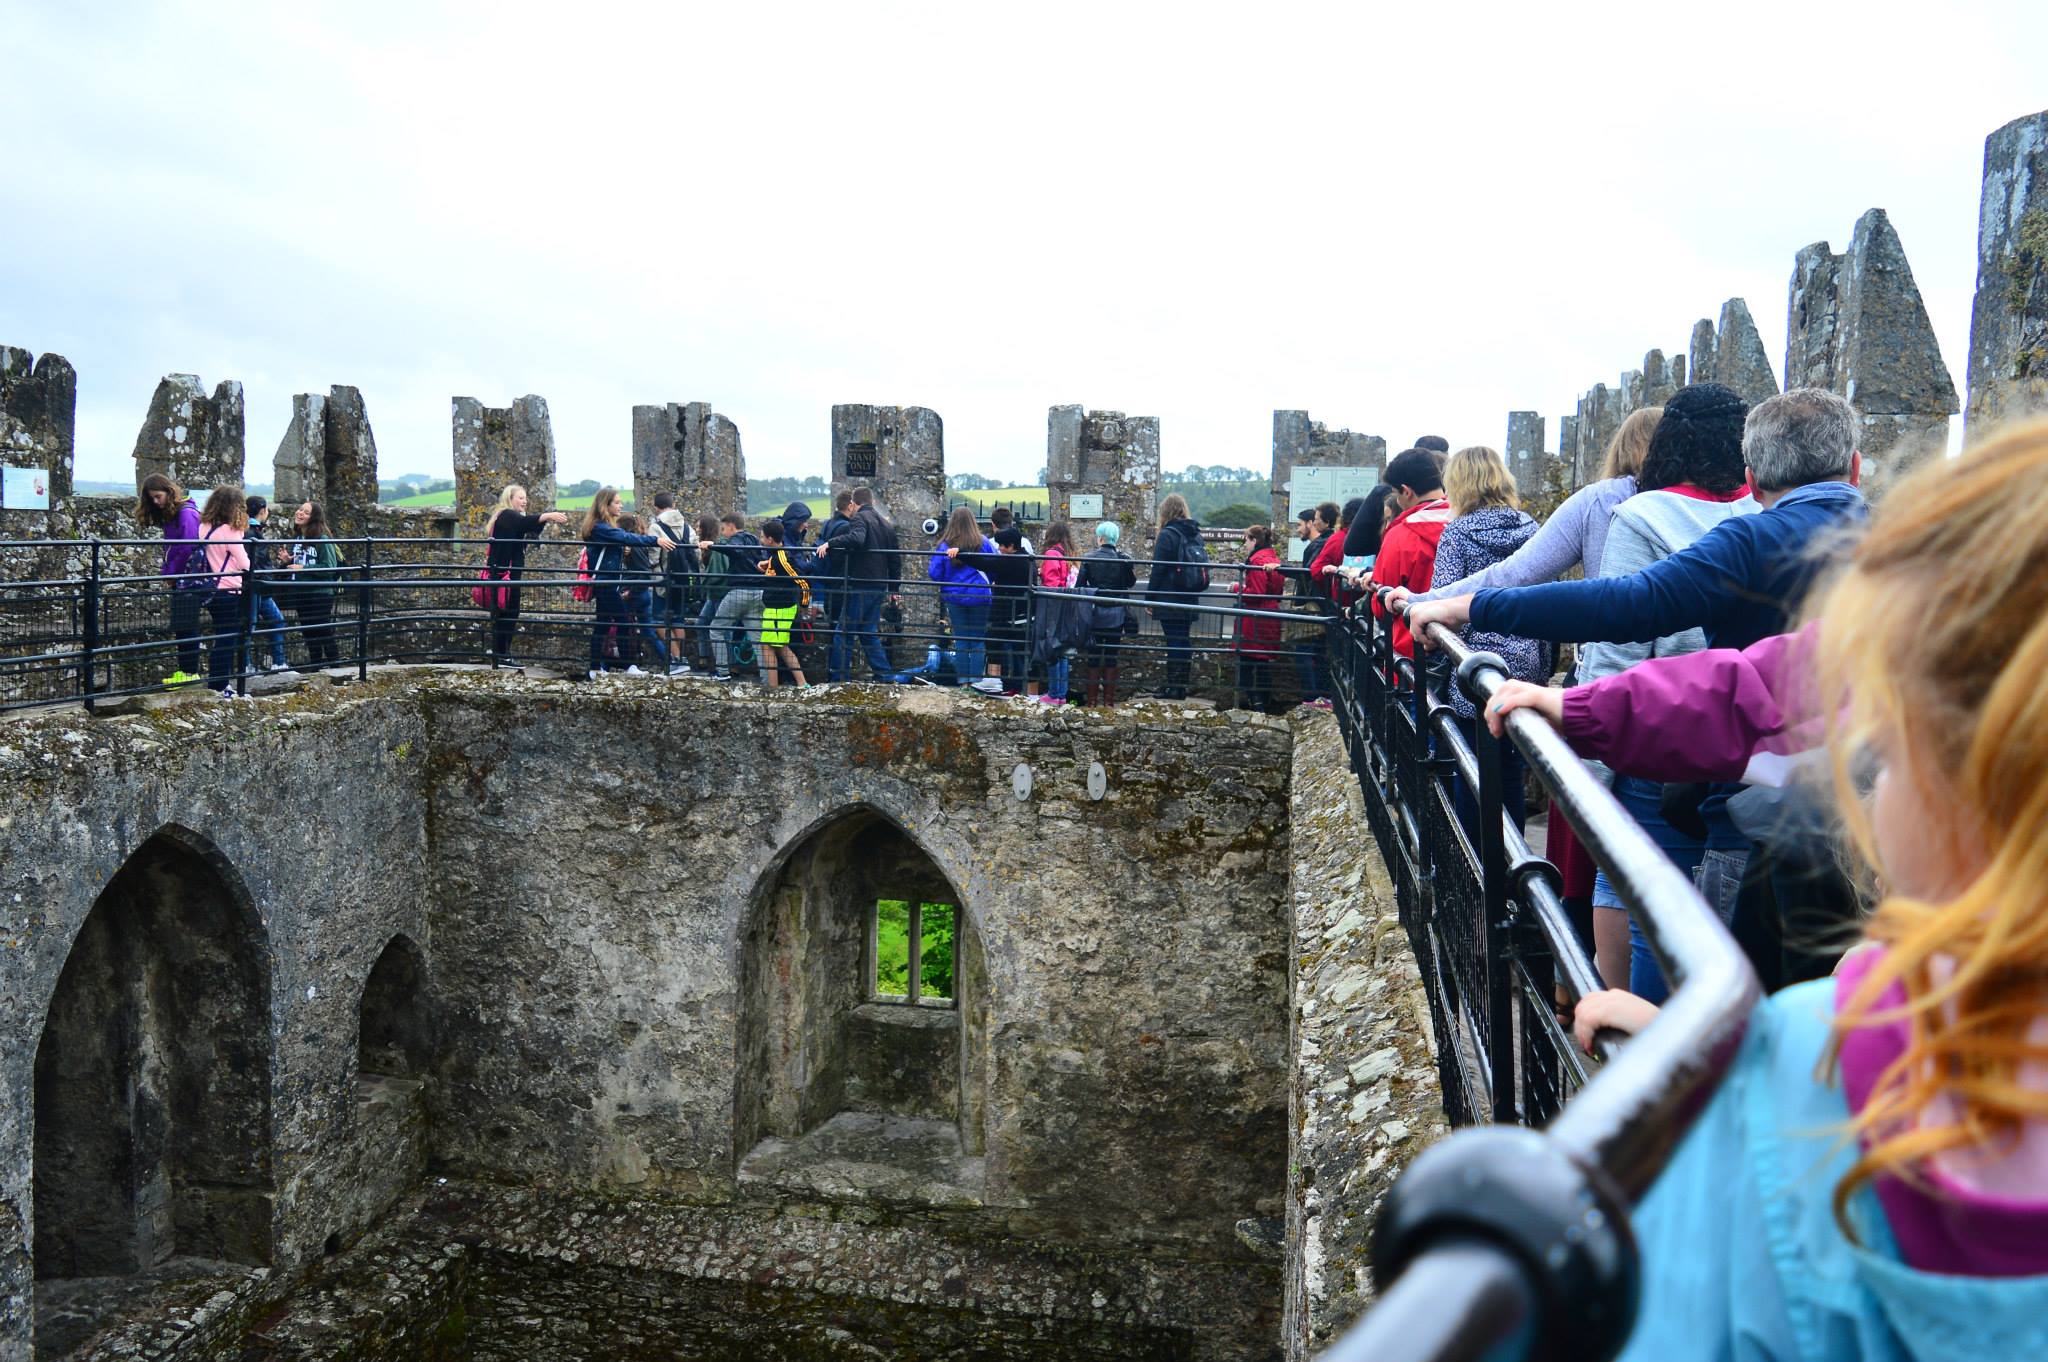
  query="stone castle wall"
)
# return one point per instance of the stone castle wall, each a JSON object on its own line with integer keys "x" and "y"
{"x": 577, "y": 867}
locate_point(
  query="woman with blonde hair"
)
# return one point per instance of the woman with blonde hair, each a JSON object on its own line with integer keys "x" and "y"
{"x": 1487, "y": 525}
{"x": 1871, "y": 1179}
{"x": 224, "y": 559}
{"x": 509, "y": 530}
{"x": 1576, "y": 532}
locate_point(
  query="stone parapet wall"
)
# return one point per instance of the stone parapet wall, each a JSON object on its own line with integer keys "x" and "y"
{"x": 1364, "y": 1097}
{"x": 574, "y": 864}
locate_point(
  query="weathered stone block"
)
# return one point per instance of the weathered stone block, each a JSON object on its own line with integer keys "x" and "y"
{"x": 1740, "y": 361}
{"x": 1298, "y": 440}
{"x": 1527, "y": 459}
{"x": 2008, "y": 372}
{"x": 195, "y": 439}
{"x": 900, "y": 452}
{"x": 351, "y": 462}
{"x": 497, "y": 447}
{"x": 1857, "y": 327}
{"x": 300, "y": 468}
{"x": 38, "y": 424}
{"x": 692, "y": 452}
{"x": 1108, "y": 455}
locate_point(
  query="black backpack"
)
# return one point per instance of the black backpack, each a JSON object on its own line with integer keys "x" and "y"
{"x": 1189, "y": 571}
{"x": 1195, "y": 570}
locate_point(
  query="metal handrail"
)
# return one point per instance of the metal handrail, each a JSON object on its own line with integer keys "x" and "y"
{"x": 1535, "y": 1223}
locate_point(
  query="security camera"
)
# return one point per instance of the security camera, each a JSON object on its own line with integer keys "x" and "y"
{"x": 931, "y": 525}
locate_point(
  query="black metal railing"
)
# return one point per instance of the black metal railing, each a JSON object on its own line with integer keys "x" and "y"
{"x": 92, "y": 620}
{"x": 1503, "y": 1242}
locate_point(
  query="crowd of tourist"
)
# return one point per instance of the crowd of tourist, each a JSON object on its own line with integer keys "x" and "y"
{"x": 1770, "y": 676}
{"x": 1763, "y": 672}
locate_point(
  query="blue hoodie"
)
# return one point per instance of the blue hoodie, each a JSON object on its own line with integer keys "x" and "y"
{"x": 960, "y": 582}
{"x": 1739, "y": 581}
{"x": 1742, "y": 1258}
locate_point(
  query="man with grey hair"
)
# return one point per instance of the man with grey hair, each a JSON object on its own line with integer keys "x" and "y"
{"x": 1740, "y": 581}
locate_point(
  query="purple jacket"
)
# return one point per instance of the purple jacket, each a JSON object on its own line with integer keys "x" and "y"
{"x": 181, "y": 558}
{"x": 1700, "y": 716}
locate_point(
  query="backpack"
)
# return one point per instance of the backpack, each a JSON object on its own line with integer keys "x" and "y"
{"x": 586, "y": 580}
{"x": 1193, "y": 572}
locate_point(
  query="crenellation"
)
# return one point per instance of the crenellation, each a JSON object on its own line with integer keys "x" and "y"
{"x": 1300, "y": 441}
{"x": 38, "y": 423}
{"x": 1109, "y": 456}
{"x": 2008, "y": 368}
{"x": 497, "y": 447}
{"x": 692, "y": 452}
{"x": 197, "y": 440}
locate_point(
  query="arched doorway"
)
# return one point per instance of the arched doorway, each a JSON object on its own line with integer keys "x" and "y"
{"x": 152, "y": 1076}
{"x": 863, "y": 1011}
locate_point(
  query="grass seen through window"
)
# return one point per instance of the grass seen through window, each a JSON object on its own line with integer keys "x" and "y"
{"x": 935, "y": 923}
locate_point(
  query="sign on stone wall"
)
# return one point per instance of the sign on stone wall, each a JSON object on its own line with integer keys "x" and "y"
{"x": 25, "y": 489}
{"x": 1085, "y": 506}
{"x": 1313, "y": 484}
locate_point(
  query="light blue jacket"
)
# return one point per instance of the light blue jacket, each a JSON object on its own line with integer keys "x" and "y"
{"x": 1742, "y": 1259}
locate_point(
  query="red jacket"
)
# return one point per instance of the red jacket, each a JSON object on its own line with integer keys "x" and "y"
{"x": 1260, "y": 590}
{"x": 1331, "y": 587}
{"x": 1408, "y": 558}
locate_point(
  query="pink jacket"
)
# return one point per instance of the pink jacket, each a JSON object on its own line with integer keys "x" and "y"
{"x": 1056, "y": 571}
{"x": 225, "y": 554}
{"x": 1701, "y": 716}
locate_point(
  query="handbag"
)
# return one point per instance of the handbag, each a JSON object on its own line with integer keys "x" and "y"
{"x": 487, "y": 598}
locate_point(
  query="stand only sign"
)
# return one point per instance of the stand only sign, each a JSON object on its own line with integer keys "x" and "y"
{"x": 25, "y": 489}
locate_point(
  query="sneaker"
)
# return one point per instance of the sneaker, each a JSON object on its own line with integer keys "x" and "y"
{"x": 1050, "y": 700}
{"x": 1320, "y": 704}
{"x": 988, "y": 685}
{"x": 678, "y": 669}
{"x": 595, "y": 676}
{"x": 721, "y": 675}
{"x": 277, "y": 667}
{"x": 183, "y": 679}
{"x": 634, "y": 671}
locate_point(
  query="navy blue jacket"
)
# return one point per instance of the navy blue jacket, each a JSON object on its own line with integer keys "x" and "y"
{"x": 606, "y": 547}
{"x": 1739, "y": 581}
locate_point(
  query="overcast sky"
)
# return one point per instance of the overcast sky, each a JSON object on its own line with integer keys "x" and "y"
{"x": 1403, "y": 225}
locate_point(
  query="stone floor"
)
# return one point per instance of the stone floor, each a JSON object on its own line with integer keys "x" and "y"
{"x": 181, "y": 1292}
{"x": 860, "y": 1156}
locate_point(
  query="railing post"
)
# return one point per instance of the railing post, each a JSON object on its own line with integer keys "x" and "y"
{"x": 1493, "y": 885}
{"x": 250, "y": 585}
{"x": 89, "y": 640}
{"x": 364, "y": 595}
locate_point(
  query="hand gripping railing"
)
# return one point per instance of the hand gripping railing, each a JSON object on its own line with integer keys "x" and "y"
{"x": 1505, "y": 1243}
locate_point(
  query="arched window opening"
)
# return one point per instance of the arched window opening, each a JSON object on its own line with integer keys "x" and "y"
{"x": 395, "y": 1020}
{"x": 863, "y": 1034}
{"x": 152, "y": 1077}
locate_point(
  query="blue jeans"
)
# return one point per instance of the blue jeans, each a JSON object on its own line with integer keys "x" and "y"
{"x": 640, "y": 610}
{"x": 186, "y": 603}
{"x": 611, "y": 614}
{"x": 224, "y": 658}
{"x": 1056, "y": 677}
{"x": 268, "y": 616}
{"x": 969, "y": 621}
{"x": 1642, "y": 798}
{"x": 1308, "y": 666}
{"x": 862, "y": 620}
